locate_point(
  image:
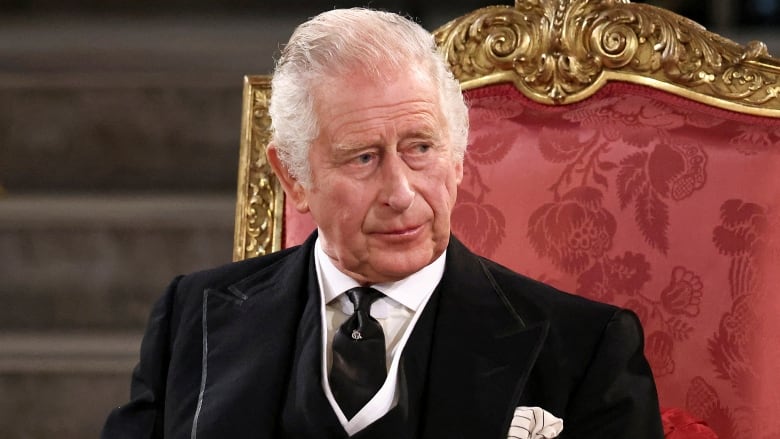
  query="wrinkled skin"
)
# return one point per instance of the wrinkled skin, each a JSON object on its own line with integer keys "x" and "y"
{"x": 383, "y": 175}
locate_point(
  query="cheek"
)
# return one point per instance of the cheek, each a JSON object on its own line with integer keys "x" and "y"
{"x": 341, "y": 213}
{"x": 440, "y": 191}
{"x": 451, "y": 179}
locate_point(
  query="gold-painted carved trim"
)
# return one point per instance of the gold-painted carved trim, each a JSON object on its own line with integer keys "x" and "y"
{"x": 260, "y": 198}
{"x": 563, "y": 51}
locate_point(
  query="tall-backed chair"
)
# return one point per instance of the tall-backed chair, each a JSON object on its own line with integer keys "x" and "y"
{"x": 623, "y": 153}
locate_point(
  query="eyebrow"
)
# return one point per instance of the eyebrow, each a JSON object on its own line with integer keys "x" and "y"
{"x": 352, "y": 146}
{"x": 424, "y": 134}
{"x": 424, "y": 128}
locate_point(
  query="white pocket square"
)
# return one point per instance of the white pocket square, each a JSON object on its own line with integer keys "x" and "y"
{"x": 534, "y": 423}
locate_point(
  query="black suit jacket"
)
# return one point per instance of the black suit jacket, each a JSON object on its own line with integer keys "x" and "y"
{"x": 220, "y": 346}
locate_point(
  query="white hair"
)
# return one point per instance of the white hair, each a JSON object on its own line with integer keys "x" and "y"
{"x": 342, "y": 40}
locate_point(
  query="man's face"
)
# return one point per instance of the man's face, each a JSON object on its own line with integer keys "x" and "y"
{"x": 383, "y": 176}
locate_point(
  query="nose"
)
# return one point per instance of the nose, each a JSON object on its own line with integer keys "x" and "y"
{"x": 397, "y": 192}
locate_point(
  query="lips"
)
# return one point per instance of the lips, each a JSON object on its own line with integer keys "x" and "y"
{"x": 402, "y": 231}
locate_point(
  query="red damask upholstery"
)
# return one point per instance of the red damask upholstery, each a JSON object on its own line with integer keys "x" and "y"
{"x": 648, "y": 201}
{"x": 654, "y": 203}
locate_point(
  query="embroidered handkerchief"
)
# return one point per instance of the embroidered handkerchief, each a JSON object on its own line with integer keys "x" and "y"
{"x": 534, "y": 423}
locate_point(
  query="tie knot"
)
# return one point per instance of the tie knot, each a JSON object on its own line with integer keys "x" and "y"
{"x": 363, "y": 297}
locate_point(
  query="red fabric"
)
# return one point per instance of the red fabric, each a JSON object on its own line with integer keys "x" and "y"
{"x": 648, "y": 201}
{"x": 678, "y": 424}
{"x": 651, "y": 202}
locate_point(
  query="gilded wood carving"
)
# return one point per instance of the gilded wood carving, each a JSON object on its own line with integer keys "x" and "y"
{"x": 562, "y": 51}
{"x": 555, "y": 52}
{"x": 260, "y": 198}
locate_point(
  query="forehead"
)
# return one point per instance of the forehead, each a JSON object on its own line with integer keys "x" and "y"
{"x": 359, "y": 102}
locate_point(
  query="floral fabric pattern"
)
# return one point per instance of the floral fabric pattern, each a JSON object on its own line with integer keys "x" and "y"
{"x": 649, "y": 202}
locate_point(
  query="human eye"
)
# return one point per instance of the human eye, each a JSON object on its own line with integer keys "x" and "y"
{"x": 365, "y": 158}
{"x": 419, "y": 149}
{"x": 419, "y": 154}
{"x": 422, "y": 148}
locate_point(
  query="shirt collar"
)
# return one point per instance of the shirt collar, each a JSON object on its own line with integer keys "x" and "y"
{"x": 409, "y": 291}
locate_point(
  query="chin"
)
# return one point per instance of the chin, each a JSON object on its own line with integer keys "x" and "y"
{"x": 397, "y": 271}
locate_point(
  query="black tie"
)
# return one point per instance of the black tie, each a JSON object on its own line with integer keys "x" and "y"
{"x": 359, "y": 367}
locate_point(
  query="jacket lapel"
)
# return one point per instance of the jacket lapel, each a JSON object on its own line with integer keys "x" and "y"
{"x": 249, "y": 335}
{"x": 482, "y": 353}
{"x": 307, "y": 412}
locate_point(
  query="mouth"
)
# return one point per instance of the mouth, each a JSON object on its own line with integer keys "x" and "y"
{"x": 400, "y": 233}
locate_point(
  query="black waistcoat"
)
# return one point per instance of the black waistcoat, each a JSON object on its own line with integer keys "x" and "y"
{"x": 306, "y": 411}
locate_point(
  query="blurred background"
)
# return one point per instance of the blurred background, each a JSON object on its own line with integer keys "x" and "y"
{"x": 119, "y": 134}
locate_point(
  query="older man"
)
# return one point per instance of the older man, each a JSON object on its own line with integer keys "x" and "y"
{"x": 381, "y": 325}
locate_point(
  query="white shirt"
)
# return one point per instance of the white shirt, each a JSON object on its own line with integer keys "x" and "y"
{"x": 397, "y": 312}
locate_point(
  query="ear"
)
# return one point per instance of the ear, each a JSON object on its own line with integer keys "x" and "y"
{"x": 292, "y": 188}
{"x": 459, "y": 171}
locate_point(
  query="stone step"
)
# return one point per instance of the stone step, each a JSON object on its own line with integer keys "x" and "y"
{"x": 259, "y": 10}
{"x": 98, "y": 262}
{"x": 62, "y": 384}
{"x": 79, "y": 274}
{"x": 121, "y": 104}
{"x": 113, "y": 137}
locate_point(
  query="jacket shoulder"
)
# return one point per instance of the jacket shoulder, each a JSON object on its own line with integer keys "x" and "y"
{"x": 524, "y": 291}
{"x": 225, "y": 275}
{"x": 185, "y": 292}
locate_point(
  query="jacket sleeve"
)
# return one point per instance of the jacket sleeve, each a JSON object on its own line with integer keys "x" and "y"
{"x": 142, "y": 416}
{"x": 617, "y": 397}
